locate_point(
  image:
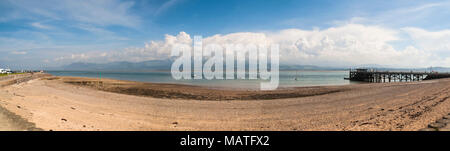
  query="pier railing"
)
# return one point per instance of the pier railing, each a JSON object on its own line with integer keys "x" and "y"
{"x": 367, "y": 75}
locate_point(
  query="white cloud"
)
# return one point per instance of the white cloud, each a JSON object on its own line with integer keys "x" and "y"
{"x": 153, "y": 50}
{"x": 165, "y": 6}
{"x": 18, "y": 52}
{"x": 39, "y": 25}
{"x": 446, "y": 62}
{"x": 345, "y": 45}
{"x": 98, "y": 12}
{"x": 101, "y": 32}
{"x": 418, "y": 8}
{"x": 430, "y": 40}
{"x": 423, "y": 14}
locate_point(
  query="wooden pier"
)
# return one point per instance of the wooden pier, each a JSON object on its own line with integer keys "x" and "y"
{"x": 366, "y": 75}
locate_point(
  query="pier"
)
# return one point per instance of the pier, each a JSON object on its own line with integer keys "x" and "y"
{"x": 366, "y": 75}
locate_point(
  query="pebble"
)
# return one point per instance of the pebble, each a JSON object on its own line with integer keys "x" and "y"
{"x": 442, "y": 124}
{"x": 427, "y": 129}
{"x": 436, "y": 125}
{"x": 446, "y": 117}
{"x": 446, "y": 128}
{"x": 445, "y": 121}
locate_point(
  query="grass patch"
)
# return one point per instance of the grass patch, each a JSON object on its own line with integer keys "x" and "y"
{"x": 5, "y": 74}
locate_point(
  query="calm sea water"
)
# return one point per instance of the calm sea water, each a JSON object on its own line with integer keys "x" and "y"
{"x": 287, "y": 78}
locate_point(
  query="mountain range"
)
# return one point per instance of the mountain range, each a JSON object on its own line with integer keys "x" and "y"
{"x": 165, "y": 65}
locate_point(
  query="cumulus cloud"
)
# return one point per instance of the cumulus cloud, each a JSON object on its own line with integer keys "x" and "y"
{"x": 430, "y": 40}
{"x": 154, "y": 50}
{"x": 346, "y": 45}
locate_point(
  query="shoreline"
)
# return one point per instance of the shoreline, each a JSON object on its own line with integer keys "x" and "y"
{"x": 194, "y": 92}
{"x": 214, "y": 84}
{"x": 52, "y": 104}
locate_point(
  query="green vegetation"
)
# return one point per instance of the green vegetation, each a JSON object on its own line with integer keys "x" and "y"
{"x": 5, "y": 74}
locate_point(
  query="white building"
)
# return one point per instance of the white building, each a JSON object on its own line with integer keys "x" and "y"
{"x": 5, "y": 71}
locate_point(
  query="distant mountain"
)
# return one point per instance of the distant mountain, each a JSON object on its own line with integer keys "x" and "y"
{"x": 159, "y": 65}
{"x": 372, "y": 66}
{"x": 435, "y": 69}
{"x": 309, "y": 67}
{"x": 152, "y": 65}
{"x": 439, "y": 69}
{"x": 165, "y": 65}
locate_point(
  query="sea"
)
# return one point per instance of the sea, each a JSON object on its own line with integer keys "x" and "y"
{"x": 286, "y": 78}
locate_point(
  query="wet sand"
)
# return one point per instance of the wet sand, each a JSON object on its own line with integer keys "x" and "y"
{"x": 68, "y": 103}
{"x": 190, "y": 92}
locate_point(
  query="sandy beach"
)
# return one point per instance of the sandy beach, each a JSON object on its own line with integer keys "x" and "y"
{"x": 47, "y": 102}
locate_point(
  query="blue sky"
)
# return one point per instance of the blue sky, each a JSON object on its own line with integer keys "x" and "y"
{"x": 54, "y": 32}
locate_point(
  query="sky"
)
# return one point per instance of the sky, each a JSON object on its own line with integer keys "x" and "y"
{"x": 51, "y": 33}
